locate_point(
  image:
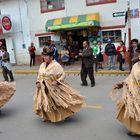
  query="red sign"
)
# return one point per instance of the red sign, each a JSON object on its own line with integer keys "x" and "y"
{"x": 1, "y": 27}
{"x": 6, "y": 23}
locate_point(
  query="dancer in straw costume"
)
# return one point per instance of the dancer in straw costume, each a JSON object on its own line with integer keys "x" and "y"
{"x": 54, "y": 99}
{"x": 128, "y": 105}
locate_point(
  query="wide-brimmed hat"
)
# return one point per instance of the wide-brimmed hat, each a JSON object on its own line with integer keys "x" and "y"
{"x": 138, "y": 48}
{"x": 47, "y": 51}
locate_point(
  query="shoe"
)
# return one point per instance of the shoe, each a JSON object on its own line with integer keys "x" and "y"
{"x": 122, "y": 69}
{"x": 132, "y": 134}
{"x": 84, "y": 84}
{"x": 92, "y": 85}
{"x": 5, "y": 80}
{"x": 11, "y": 80}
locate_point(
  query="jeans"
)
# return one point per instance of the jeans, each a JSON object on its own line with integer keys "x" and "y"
{"x": 7, "y": 72}
{"x": 111, "y": 61}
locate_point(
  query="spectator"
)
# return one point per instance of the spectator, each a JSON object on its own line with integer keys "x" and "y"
{"x": 121, "y": 49}
{"x": 136, "y": 59}
{"x": 95, "y": 51}
{"x": 87, "y": 65}
{"x": 31, "y": 50}
{"x": 110, "y": 51}
{"x": 1, "y": 53}
{"x": 132, "y": 51}
{"x": 65, "y": 56}
{"x": 6, "y": 66}
{"x": 100, "y": 55}
{"x": 55, "y": 52}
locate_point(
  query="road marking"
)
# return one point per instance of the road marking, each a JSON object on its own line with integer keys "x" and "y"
{"x": 92, "y": 106}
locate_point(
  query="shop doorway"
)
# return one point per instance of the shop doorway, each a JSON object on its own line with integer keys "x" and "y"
{"x": 3, "y": 43}
{"x": 8, "y": 44}
{"x": 74, "y": 40}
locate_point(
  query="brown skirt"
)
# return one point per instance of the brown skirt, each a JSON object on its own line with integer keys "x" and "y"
{"x": 6, "y": 92}
{"x": 57, "y": 102}
{"x": 130, "y": 123}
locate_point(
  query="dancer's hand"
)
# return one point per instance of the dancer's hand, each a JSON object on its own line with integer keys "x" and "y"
{"x": 54, "y": 83}
{"x": 115, "y": 86}
{"x": 38, "y": 85}
{"x": 118, "y": 86}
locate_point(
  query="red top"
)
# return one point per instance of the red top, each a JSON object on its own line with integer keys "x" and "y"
{"x": 31, "y": 50}
{"x": 123, "y": 49}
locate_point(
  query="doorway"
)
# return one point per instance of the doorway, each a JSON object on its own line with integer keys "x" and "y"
{"x": 8, "y": 44}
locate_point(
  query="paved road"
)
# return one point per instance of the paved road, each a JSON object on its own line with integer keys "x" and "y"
{"x": 18, "y": 122}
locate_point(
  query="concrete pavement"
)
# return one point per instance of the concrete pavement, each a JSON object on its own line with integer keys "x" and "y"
{"x": 96, "y": 121}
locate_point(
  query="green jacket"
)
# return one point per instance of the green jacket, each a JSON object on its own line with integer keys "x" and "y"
{"x": 95, "y": 50}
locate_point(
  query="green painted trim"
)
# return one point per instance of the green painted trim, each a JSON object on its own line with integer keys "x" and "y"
{"x": 73, "y": 25}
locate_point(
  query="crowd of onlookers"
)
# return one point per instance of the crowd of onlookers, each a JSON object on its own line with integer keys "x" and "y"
{"x": 108, "y": 54}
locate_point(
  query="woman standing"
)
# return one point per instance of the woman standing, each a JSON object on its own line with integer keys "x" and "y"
{"x": 65, "y": 56}
{"x": 128, "y": 105}
{"x": 54, "y": 99}
{"x": 95, "y": 50}
{"x": 121, "y": 49}
{"x": 100, "y": 55}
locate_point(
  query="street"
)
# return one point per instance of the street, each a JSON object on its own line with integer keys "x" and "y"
{"x": 95, "y": 121}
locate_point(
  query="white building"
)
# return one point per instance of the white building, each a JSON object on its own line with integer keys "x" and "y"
{"x": 29, "y": 19}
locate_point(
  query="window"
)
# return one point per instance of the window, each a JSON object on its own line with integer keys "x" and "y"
{"x": 43, "y": 40}
{"x": 94, "y": 2}
{"x": 114, "y": 35}
{"x": 51, "y": 5}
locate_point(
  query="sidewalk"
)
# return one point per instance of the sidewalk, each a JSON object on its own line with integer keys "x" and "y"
{"x": 70, "y": 69}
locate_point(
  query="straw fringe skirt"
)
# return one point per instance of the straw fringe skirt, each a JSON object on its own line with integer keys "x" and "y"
{"x": 130, "y": 123}
{"x": 56, "y": 103}
{"x": 6, "y": 92}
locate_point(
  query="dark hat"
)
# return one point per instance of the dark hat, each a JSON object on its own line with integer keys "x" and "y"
{"x": 47, "y": 51}
{"x": 138, "y": 48}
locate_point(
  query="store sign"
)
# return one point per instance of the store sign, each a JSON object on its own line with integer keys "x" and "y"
{"x": 134, "y": 13}
{"x": 5, "y": 24}
{"x": 118, "y": 14}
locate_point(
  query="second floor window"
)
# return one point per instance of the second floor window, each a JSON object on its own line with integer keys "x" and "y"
{"x": 94, "y": 2}
{"x": 51, "y": 5}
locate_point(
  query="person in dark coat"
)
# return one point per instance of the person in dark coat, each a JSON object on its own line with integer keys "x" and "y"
{"x": 132, "y": 51}
{"x": 121, "y": 49}
{"x": 87, "y": 65}
{"x": 6, "y": 66}
{"x": 110, "y": 51}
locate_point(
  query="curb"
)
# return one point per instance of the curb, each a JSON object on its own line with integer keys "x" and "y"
{"x": 74, "y": 72}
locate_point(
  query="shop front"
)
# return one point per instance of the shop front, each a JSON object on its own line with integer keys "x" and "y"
{"x": 74, "y": 30}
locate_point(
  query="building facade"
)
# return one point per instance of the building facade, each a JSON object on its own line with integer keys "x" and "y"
{"x": 72, "y": 21}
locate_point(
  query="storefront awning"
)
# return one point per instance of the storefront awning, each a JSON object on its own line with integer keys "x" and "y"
{"x": 73, "y": 22}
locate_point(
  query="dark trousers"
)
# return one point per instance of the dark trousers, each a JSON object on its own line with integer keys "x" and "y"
{"x": 7, "y": 72}
{"x": 89, "y": 72}
{"x": 96, "y": 64}
{"x": 121, "y": 61}
{"x": 32, "y": 59}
